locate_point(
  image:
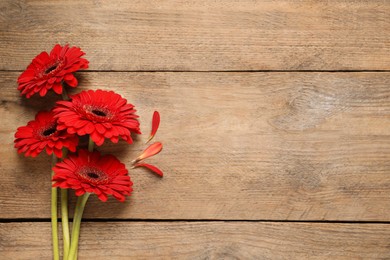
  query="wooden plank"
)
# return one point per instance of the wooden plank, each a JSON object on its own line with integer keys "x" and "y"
{"x": 287, "y": 146}
{"x": 202, "y": 35}
{"x": 204, "y": 240}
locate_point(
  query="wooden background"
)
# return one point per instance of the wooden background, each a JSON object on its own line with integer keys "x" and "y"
{"x": 275, "y": 124}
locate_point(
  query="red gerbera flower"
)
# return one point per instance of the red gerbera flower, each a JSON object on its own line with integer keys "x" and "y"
{"x": 102, "y": 114}
{"x": 93, "y": 173}
{"x": 48, "y": 71}
{"x": 41, "y": 133}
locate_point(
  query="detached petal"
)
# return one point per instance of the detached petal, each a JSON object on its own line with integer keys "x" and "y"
{"x": 155, "y": 125}
{"x": 150, "y": 167}
{"x": 153, "y": 149}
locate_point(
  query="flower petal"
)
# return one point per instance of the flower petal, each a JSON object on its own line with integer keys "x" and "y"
{"x": 150, "y": 167}
{"x": 155, "y": 125}
{"x": 152, "y": 150}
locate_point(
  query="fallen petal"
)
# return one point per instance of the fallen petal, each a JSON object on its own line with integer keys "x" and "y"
{"x": 150, "y": 167}
{"x": 153, "y": 149}
{"x": 155, "y": 125}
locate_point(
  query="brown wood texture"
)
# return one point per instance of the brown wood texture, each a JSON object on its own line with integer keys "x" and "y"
{"x": 275, "y": 146}
{"x": 275, "y": 124}
{"x": 204, "y": 240}
{"x": 202, "y": 35}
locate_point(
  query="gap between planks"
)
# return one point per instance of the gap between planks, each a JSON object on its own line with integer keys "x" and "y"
{"x": 44, "y": 220}
{"x": 224, "y": 71}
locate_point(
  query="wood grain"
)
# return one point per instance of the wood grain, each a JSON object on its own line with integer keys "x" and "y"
{"x": 202, "y": 35}
{"x": 286, "y": 146}
{"x": 204, "y": 240}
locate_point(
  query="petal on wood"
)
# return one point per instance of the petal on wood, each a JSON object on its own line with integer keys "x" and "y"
{"x": 150, "y": 167}
{"x": 155, "y": 125}
{"x": 153, "y": 149}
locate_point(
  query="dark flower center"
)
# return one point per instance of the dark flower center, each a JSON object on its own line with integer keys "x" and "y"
{"x": 49, "y": 131}
{"x": 51, "y": 68}
{"x": 92, "y": 175}
{"x": 98, "y": 112}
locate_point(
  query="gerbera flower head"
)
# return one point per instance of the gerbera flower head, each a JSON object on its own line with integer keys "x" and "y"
{"x": 93, "y": 173}
{"x": 42, "y": 133}
{"x": 102, "y": 114}
{"x": 47, "y": 71}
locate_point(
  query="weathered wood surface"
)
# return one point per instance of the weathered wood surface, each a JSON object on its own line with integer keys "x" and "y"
{"x": 285, "y": 146}
{"x": 204, "y": 240}
{"x": 202, "y": 35}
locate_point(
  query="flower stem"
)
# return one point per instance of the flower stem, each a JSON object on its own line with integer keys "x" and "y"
{"x": 64, "y": 215}
{"x": 81, "y": 201}
{"x": 54, "y": 221}
{"x": 90, "y": 144}
{"x": 64, "y": 197}
{"x": 65, "y": 221}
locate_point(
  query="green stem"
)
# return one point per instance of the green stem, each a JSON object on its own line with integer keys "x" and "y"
{"x": 90, "y": 144}
{"x": 54, "y": 221}
{"x": 64, "y": 215}
{"x": 64, "y": 197}
{"x": 81, "y": 201}
{"x": 65, "y": 222}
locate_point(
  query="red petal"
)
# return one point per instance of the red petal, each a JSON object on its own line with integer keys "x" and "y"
{"x": 43, "y": 92}
{"x": 155, "y": 125}
{"x": 80, "y": 192}
{"x": 57, "y": 88}
{"x": 150, "y": 167}
{"x": 102, "y": 197}
{"x": 58, "y": 152}
{"x": 71, "y": 80}
{"x": 153, "y": 149}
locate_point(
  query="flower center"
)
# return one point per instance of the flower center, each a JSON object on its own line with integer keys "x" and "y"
{"x": 99, "y": 113}
{"x": 51, "y": 68}
{"x": 93, "y": 175}
{"x": 49, "y": 132}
